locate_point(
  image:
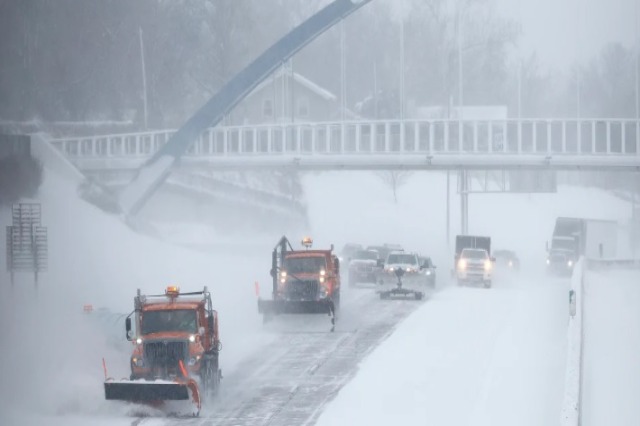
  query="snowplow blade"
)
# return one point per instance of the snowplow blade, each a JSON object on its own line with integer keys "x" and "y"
{"x": 145, "y": 391}
{"x": 275, "y": 307}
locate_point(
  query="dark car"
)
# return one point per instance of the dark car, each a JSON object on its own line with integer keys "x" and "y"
{"x": 429, "y": 269}
{"x": 506, "y": 259}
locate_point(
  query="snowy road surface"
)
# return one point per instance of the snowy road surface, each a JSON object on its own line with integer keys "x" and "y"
{"x": 611, "y": 372}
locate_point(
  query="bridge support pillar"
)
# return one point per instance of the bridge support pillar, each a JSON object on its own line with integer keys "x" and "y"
{"x": 464, "y": 202}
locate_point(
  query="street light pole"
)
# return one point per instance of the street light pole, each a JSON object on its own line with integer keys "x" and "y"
{"x": 464, "y": 195}
{"x": 343, "y": 71}
{"x": 402, "y": 66}
{"x": 577, "y": 35}
{"x": 144, "y": 79}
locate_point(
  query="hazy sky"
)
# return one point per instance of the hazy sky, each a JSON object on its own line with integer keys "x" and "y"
{"x": 549, "y": 27}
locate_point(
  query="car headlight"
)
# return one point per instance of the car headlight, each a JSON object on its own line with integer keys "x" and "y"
{"x": 487, "y": 265}
{"x": 428, "y": 272}
{"x": 390, "y": 269}
{"x": 462, "y": 264}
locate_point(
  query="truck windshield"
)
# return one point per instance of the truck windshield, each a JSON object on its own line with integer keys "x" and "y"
{"x": 170, "y": 320}
{"x": 305, "y": 265}
{"x": 402, "y": 258}
{"x": 473, "y": 254}
{"x": 559, "y": 244}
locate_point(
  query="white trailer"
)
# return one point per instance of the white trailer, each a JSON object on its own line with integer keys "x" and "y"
{"x": 600, "y": 239}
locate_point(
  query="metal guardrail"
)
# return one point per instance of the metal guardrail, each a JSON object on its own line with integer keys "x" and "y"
{"x": 606, "y": 264}
{"x": 550, "y": 136}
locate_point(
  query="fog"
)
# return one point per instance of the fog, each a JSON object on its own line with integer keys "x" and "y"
{"x": 81, "y": 61}
{"x": 51, "y": 358}
{"x": 74, "y": 68}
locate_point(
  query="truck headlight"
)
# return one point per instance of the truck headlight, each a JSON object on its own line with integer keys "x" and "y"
{"x": 570, "y": 263}
{"x": 428, "y": 272}
{"x": 193, "y": 360}
{"x": 192, "y": 338}
{"x": 487, "y": 265}
{"x": 462, "y": 264}
{"x": 139, "y": 340}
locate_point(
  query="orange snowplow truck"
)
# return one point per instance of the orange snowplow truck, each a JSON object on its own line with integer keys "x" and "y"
{"x": 175, "y": 353}
{"x": 304, "y": 281}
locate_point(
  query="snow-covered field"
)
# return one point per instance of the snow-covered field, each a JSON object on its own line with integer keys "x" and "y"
{"x": 611, "y": 378}
{"x": 487, "y": 355}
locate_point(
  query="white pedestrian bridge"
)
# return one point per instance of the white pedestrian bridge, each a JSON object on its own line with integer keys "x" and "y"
{"x": 555, "y": 144}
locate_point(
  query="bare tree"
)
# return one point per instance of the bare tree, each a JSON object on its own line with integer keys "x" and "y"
{"x": 394, "y": 179}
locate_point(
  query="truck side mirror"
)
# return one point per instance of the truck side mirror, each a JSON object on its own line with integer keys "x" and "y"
{"x": 127, "y": 324}
{"x": 210, "y": 322}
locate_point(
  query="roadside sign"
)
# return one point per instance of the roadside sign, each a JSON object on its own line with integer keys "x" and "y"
{"x": 27, "y": 241}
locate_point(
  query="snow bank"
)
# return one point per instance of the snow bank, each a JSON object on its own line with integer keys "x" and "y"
{"x": 611, "y": 373}
{"x": 468, "y": 356}
{"x": 570, "y": 415}
{"x": 55, "y": 161}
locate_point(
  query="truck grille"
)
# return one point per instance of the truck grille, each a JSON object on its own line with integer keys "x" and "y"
{"x": 475, "y": 268}
{"x": 302, "y": 290}
{"x": 165, "y": 353}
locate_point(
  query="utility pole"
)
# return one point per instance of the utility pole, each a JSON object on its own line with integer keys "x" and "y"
{"x": 402, "y": 66}
{"x": 519, "y": 67}
{"x": 375, "y": 88}
{"x": 343, "y": 71}
{"x": 448, "y": 211}
{"x": 464, "y": 194}
{"x": 635, "y": 220}
{"x": 577, "y": 35}
{"x": 144, "y": 79}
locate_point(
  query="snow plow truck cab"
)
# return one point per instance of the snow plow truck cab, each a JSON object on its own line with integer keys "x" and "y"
{"x": 175, "y": 349}
{"x": 304, "y": 281}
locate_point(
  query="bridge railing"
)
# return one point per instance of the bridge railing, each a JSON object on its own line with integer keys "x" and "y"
{"x": 531, "y": 136}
